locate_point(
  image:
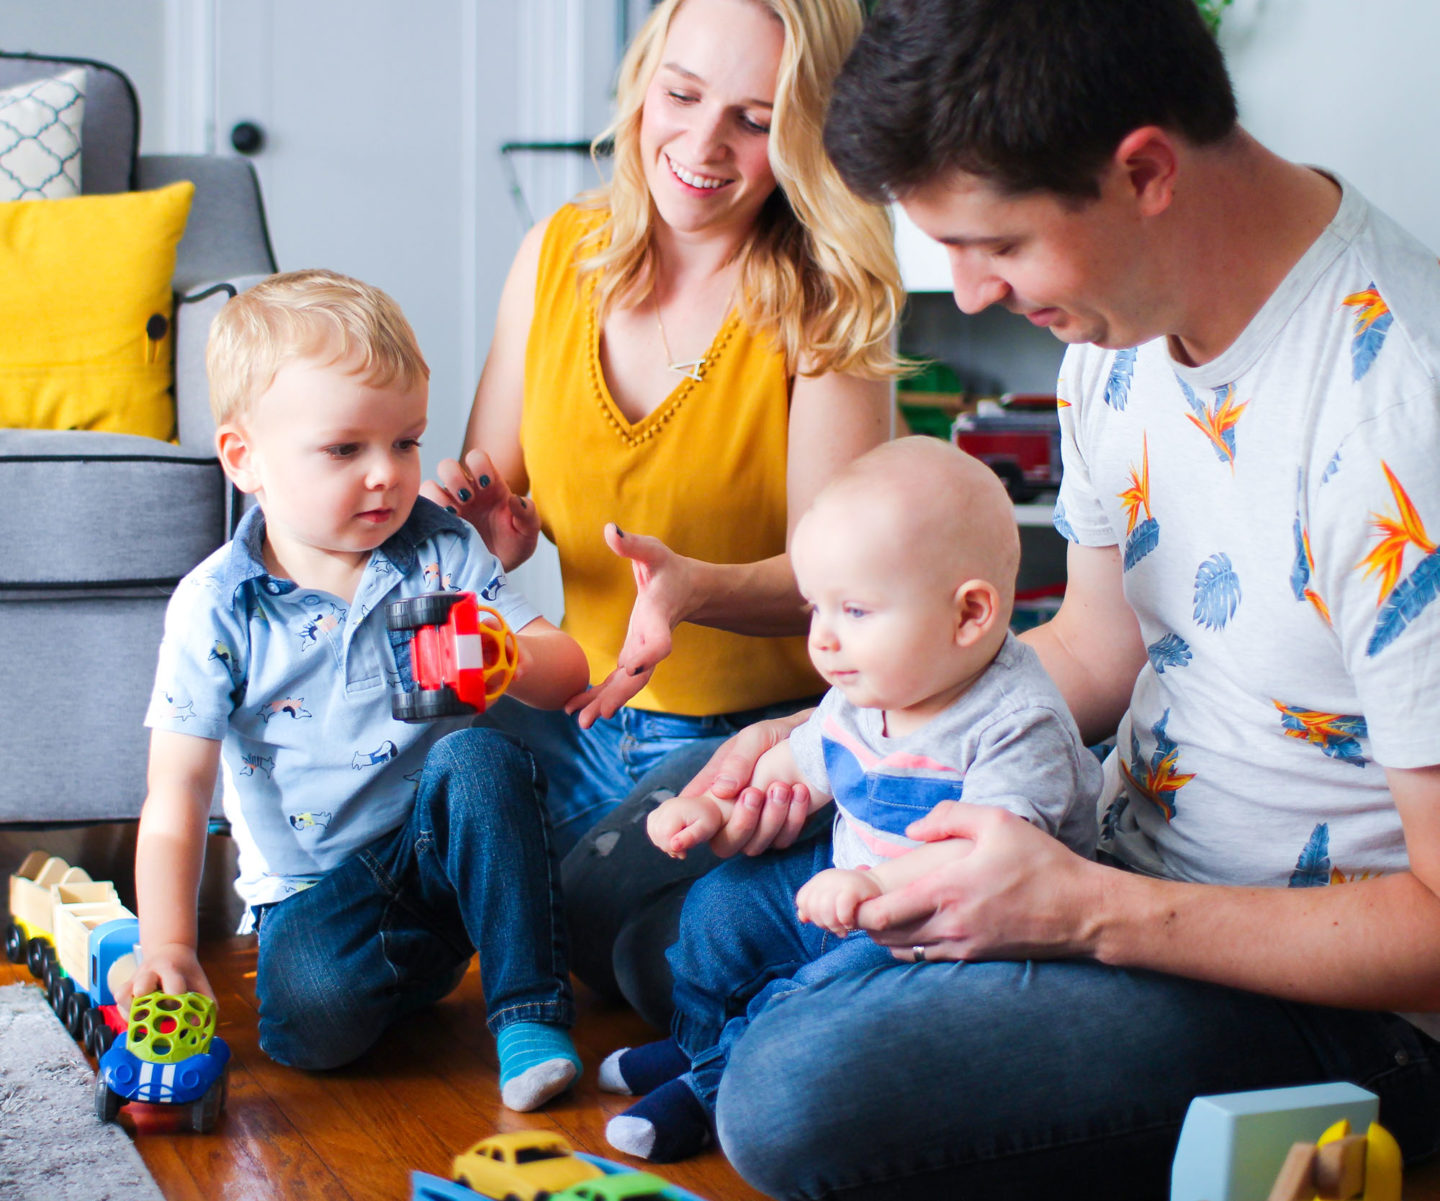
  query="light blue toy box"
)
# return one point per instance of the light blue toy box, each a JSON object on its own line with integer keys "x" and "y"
{"x": 1233, "y": 1145}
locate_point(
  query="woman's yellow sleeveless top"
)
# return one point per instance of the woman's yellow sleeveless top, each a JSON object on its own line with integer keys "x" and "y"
{"x": 704, "y": 473}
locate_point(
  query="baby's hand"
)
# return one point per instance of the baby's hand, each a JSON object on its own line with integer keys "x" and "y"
{"x": 683, "y": 822}
{"x": 830, "y": 898}
{"x": 173, "y": 968}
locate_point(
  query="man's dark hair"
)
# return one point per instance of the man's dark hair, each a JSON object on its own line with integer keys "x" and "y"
{"x": 1029, "y": 94}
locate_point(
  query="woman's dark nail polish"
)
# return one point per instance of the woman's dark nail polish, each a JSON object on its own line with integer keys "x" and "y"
{"x": 463, "y": 494}
{"x": 484, "y": 481}
{"x": 451, "y": 509}
{"x": 619, "y": 533}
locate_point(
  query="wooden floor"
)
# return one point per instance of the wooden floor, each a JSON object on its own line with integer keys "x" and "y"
{"x": 427, "y": 1092}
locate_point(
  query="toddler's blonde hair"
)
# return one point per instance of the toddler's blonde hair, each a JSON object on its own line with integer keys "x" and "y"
{"x": 307, "y": 314}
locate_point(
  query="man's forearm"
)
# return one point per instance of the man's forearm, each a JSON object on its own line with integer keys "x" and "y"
{"x": 1372, "y": 944}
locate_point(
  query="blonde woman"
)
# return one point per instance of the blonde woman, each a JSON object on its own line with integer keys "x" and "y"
{"x": 681, "y": 360}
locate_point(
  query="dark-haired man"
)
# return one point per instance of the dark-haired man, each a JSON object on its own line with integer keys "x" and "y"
{"x": 1251, "y": 421}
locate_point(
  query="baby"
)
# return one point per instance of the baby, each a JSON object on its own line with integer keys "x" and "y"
{"x": 907, "y": 561}
{"x": 375, "y": 856}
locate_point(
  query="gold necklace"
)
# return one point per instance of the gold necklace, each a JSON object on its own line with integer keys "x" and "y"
{"x": 691, "y": 368}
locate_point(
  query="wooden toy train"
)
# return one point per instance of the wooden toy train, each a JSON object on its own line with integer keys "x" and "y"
{"x": 81, "y": 943}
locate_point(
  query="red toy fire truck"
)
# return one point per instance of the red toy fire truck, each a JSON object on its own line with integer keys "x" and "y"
{"x": 462, "y": 654}
{"x": 1018, "y": 438}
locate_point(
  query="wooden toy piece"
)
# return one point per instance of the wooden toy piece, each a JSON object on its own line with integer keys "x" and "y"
{"x": 1296, "y": 1181}
{"x": 1342, "y": 1167}
{"x": 1233, "y": 1145}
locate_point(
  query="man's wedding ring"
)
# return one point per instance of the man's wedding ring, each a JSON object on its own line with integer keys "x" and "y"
{"x": 919, "y": 953}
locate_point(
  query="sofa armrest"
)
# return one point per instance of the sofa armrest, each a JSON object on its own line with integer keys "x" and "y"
{"x": 226, "y": 235}
{"x": 194, "y": 311}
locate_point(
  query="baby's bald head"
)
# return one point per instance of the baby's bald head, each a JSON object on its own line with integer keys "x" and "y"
{"x": 945, "y": 511}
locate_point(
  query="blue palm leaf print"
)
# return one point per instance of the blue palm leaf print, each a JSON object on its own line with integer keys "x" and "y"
{"x": 1330, "y": 468}
{"x": 1406, "y": 602}
{"x": 1217, "y": 592}
{"x": 1300, "y": 571}
{"x": 1367, "y": 343}
{"x": 1144, "y": 538}
{"x": 1117, "y": 389}
{"x": 1169, "y": 651}
{"x": 1312, "y": 869}
{"x": 1190, "y": 398}
{"x": 1062, "y": 523}
{"x": 1110, "y": 822}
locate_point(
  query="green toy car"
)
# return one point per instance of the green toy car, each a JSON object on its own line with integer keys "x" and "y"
{"x": 621, "y": 1186}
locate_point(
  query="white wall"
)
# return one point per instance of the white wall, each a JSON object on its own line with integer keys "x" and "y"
{"x": 1351, "y": 85}
{"x": 130, "y": 35}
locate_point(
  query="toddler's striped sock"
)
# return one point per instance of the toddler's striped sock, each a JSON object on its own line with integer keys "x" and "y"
{"x": 537, "y": 1062}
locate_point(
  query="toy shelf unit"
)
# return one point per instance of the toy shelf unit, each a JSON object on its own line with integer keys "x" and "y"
{"x": 988, "y": 385}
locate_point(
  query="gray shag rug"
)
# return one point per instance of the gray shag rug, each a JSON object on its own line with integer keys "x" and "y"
{"x": 52, "y": 1146}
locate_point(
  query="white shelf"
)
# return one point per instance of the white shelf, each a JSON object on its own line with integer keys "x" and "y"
{"x": 1036, "y": 513}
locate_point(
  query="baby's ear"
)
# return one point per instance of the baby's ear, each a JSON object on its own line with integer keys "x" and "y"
{"x": 233, "y": 448}
{"x": 977, "y": 608}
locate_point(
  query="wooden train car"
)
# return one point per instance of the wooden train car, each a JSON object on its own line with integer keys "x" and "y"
{"x": 29, "y": 936}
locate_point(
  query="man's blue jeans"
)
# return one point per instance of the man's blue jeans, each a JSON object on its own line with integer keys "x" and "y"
{"x": 592, "y": 771}
{"x": 741, "y": 946}
{"x": 1030, "y": 1080}
{"x": 391, "y": 929}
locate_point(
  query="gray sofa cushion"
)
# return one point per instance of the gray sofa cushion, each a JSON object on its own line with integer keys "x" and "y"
{"x": 110, "y": 134}
{"x": 80, "y": 510}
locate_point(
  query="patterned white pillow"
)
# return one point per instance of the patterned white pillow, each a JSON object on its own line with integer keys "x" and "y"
{"x": 40, "y": 137}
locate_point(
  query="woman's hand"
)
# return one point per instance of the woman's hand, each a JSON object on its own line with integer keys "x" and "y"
{"x": 661, "y": 595}
{"x": 1017, "y": 894}
{"x": 508, "y": 524}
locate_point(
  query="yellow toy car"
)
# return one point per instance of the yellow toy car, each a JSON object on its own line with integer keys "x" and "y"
{"x": 525, "y": 1165}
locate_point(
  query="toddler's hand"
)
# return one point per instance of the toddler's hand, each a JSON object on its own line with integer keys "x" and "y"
{"x": 830, "y": 898}
{"x": 680, "y": 823}
{"x": 172, "y": 968}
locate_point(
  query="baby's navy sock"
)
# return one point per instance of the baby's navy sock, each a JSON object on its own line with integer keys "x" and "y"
{"x": 668, "y": 1125}
{"x": 537, "y": 1062}
{"x": 636, "y": 1071}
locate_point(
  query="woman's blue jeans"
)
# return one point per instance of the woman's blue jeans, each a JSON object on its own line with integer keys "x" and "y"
{"x": 1030, "y": 1080}
{"x": 591, "y": 771}
{"x": 392, "y": 929}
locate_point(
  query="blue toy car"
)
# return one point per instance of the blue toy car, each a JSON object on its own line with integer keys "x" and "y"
{"x": 169, "y": 1055}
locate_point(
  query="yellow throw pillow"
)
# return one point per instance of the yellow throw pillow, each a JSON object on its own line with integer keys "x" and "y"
{"x": 86, "y": 311}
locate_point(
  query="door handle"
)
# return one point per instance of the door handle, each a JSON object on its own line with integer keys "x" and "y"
{"x": 247, "y": 137}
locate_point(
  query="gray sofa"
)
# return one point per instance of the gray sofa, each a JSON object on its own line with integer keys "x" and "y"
{"x": 96, "y": 528}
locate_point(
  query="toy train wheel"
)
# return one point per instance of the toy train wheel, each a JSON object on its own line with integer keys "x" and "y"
{"x": 415, "y": 611}
{"x": 37, "y": 955}
{"x": 76, "y": 1008}
{"x": 15, "y": 943}
{"x": 205, "y": 1112}
{"x": 62, "y": 988}
{"x": 88, "y": 1021}
{"x": 107, "y": 1100}
{"x": 100, "y": 1038}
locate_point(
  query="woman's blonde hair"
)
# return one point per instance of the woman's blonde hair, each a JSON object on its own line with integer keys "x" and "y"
{"x": 300, "y": 314}
{"x": 818, "y": 273}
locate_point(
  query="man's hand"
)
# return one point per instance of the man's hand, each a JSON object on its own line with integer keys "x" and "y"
{"x": 508, "y": 524}
{"x": 1017, "y": 893}
{"x": 171, "y": 968}
{"x": 677, "y": 824}
{"x": 830, "y": 898}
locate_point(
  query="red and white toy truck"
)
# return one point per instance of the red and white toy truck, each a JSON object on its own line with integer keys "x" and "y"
{"x": 462, "y": 655}
{"x": 1018, "y": 439}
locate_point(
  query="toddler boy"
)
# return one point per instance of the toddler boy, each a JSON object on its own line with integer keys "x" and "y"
{"x": 374, "y": 855}
{"x": 907, "y": 560}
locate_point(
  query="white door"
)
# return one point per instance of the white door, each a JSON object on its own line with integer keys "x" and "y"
{"x": 378, "y": 124}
